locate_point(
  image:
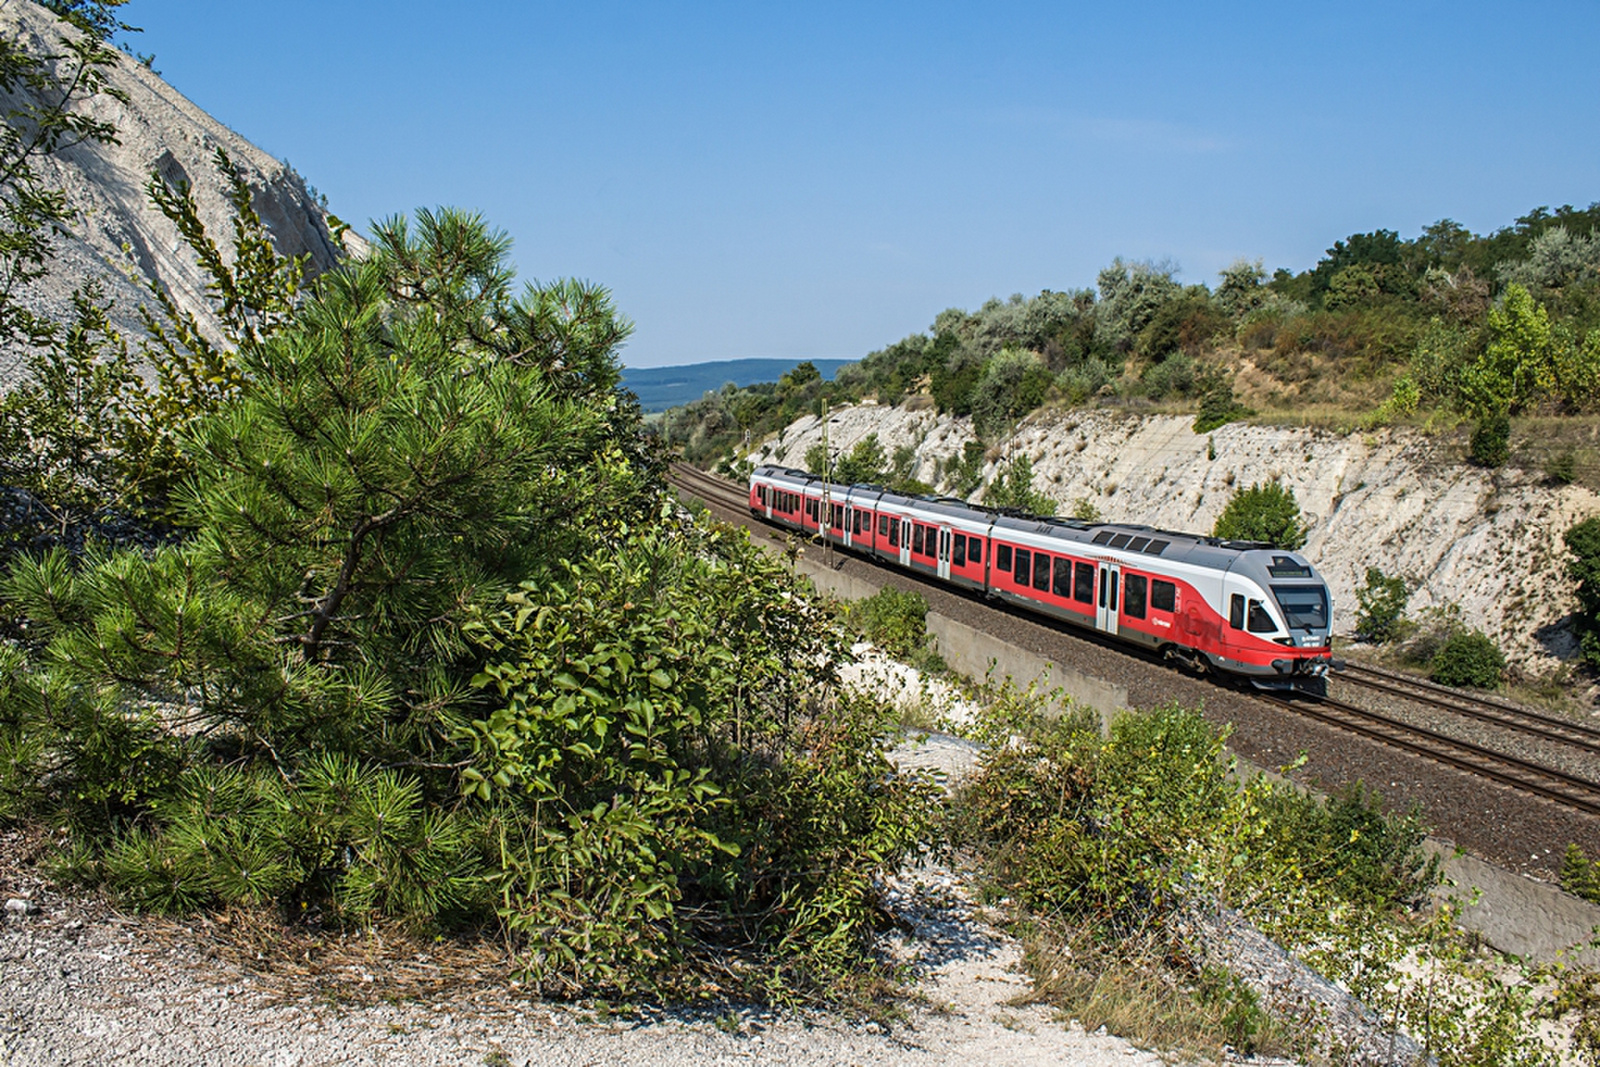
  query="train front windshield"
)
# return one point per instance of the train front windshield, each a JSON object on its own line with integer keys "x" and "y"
{"x": 1304, "y": 606}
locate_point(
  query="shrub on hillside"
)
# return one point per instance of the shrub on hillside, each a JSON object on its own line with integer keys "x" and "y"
{"x": 1583, "y": 541}
{"x": 1491, "y": 441}
{"x": 1470, "y": 659}
{"x": 1265, "y": 512}
{"x": 1381, "y": 607}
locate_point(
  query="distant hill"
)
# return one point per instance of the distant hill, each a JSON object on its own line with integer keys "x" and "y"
{"x": 660, "y": 388}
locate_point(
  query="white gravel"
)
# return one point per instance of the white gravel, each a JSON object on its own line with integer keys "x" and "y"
{"x": 79, "y": 988}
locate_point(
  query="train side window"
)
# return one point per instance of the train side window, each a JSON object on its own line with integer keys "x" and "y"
{"x": 1063, "y": 584}
{"x": 1002, "y": 557}
{"x": 894, "y": 533}
{"x": 855, "y": 523}
{"x": 1163, "y": 595}
{"x": 883, "y": 526}
{"x": 1113, "y": 591}
{"x": 1260, "y": 621}
{"x": 1236, "y": 611}
{"x": 1083, "y": 577}
{"x": 959, "y": 555}
{"x": 916, "y": 538}
{"x": 1041, "y": 571}
{"x": 761, "y": 494}
{"x": 1133, "y": 596}
{"x": 975, "y": 550}
{"x": 1019, "y": 573}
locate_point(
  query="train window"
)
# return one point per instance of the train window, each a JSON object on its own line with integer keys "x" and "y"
{"x": 1102, "y": 537}
{"x": 1041, "y": 571}
{"x": 761, "y": 494}
{"x": 1002, "y": 557}
{"x": 894, "y": 533}
{"x": 1260, "y": 621}
{"x": 1019, "y": 573}
{"x": 1084, "y": 578}
{"x": 1137, "y": 544}
{"x": 1155, "y": 548}
{"x": 916, "y": 538}
{"x": 883, "y": 526}
{"x": 1105, "y": 582}
{"x": 1120, "y": 540}
{"x": 1305, "y": 606}
{"x": 1133, "y": 596}
{"x": 1113, "y": 591}
{"x": 975, "y": 550}
{"x": 959, "y": 559}
{"x": 1163, "y": 595}
{"x": 1063, "y": 584}
{"x": 1236, "y": 611}
{"x": 811, "y": 509}
{"x": 856, "y": 523}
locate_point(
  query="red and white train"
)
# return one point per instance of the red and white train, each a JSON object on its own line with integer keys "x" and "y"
{"x": 1243, "y": 608}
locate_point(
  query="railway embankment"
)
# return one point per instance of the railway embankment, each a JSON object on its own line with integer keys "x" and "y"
{"x": 1395, "y": 498}
{"x": 1513, "y": 912}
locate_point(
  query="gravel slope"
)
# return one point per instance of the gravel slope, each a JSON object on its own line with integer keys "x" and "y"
{"x": 82, "y": 985}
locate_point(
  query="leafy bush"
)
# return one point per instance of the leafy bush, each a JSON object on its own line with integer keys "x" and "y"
{"x": 1469, "y": 658}
{"x": 1583, "y": 541}
{"x": 1491, "y": 441}
{"x": 439, "y": 651}
{"x": 1218, "y": 407}
{"x": 1012, "y": 487}
{"x": 1265, "y": 512}
{"x": 893, "y": 619}
{"x": 1579, "y": 875}
{"x": 1380, "y": 615}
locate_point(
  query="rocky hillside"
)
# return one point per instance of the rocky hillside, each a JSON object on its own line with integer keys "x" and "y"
{"x": 1489, "y": 541}
{"x": 119, "y": 237}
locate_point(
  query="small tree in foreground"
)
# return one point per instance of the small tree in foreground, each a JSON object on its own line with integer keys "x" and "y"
{"x": 1265, "y": 512}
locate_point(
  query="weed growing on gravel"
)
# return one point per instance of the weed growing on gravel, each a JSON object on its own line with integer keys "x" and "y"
{"x": 1113, "y": 850}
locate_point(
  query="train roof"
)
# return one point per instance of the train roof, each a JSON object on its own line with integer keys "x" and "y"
{"x": 1119, "y": 536}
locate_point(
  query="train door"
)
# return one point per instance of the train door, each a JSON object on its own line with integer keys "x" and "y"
{"x": 1105, "y": 617}
{"x": 905, "y": 542}
{"x": 943, "y": 555}
{"x": 849, "y": 522}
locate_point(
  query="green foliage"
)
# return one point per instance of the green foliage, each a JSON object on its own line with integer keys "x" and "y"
{"x": 1490, "y": 444}
{"x": 1012, "y": 487}
{"x": 1469, "y": 658}
{"x": 1266, "y": 512}
{"x": 45, "y": 113}
{"x": 1012, "y": 383}
{"x": 1381, "y": 607}
{"x": 1218, "y": 408}
{"x": 1084, "y": 510}
{"x": 1579, "y": 875}
{"x": 893, "y": 619}
{"x": 865, "y": 462}
{"x": 1583, "y": 541}
{"x": 1518, "y": 366}
{"x": 438, "y": 651}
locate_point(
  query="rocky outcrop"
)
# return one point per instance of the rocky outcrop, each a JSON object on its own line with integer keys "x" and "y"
{"x": 1397, "y": 499}
{"x": 117, "y": 235}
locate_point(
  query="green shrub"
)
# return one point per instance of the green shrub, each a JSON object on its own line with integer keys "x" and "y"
{"x": 893, "y": 619}
{"x": 1468, "y": 658}
{"x": 1218, "y": 408}
{"x": 1583, "y": 541}
{"x": 1380, "y": 615}
{"x": 1266, "y": 512}
{"x": 1491, "y": 441}
{"x": 1579, "y": 875}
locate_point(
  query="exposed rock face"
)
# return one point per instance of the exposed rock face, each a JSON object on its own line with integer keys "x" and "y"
{"x": 1489, "y": 541}
{"x": 118, "y": 236}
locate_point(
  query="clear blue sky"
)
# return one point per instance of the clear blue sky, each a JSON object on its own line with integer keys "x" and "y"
{"x": 818, "y": 180}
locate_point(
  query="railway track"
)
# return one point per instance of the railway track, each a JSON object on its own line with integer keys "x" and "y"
{"x": 1551, "y": 728}
{"x": 1526, "y": 776}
